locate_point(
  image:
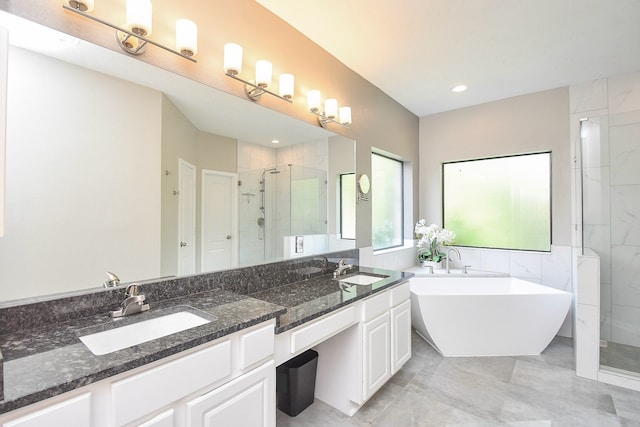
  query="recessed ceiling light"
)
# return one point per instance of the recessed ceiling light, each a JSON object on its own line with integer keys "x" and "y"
{"x": 275, "y": 141}
{"x": 459, "y": 88}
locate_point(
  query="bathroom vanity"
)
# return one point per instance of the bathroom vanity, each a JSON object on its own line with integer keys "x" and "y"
{"x": 222, "y": 371}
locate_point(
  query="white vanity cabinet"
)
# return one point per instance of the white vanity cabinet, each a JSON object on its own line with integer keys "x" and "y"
{"x": 248, "y": 401}
{"x": 386, "y": 337}
{"x": 231, "y": 378}
{"x": 400, "y": 317}
{"x": 376, "y": 343}
{"x": 372, "y": 343}
{"x": 73, "y": 411}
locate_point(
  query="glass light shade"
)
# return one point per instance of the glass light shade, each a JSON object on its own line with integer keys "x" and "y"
{"x": 81, "y": 5}
{"x": 186, "y": 37}
{"x": 313, "y": 100}
{"x": 286, "y": 85}
{"x": 263, "y": 73}
{"x": 345, "y": 115}
{"x": 331, "y": 108}
{"x": 232, "y": 58}
{"x": 139, "y": 16}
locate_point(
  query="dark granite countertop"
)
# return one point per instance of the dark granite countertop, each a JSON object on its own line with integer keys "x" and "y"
{"x": 47, "y": 360}
{"x": 43, "y": 362}
{"x": 310, "y": 299}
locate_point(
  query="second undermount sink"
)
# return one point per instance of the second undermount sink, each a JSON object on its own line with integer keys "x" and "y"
{"x": 363, "y": 279}
{"x": 115, "y": 339}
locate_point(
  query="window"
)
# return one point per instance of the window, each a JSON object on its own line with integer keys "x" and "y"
{"x": 348, "y": 206}
{"x": 387, "y": 202}
{"x": 501, "y": 202}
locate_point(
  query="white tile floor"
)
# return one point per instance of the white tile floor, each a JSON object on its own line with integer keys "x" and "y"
{"x": 486, "y": 391}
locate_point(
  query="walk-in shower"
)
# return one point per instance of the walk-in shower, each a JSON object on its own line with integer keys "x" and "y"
{"x": 610, "y": 190}
{"x": 291, "y": 201}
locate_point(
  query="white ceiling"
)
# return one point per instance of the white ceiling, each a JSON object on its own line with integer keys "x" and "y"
{"x": 416, "y": 50}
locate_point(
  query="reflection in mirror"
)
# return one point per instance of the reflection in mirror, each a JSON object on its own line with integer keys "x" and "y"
{"x": 363, "y": 184}
{"x": 106, "y": 174}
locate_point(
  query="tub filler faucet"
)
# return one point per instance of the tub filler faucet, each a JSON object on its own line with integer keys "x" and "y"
{"x": 133, "y": 302}
{"x": 448, "y": 258}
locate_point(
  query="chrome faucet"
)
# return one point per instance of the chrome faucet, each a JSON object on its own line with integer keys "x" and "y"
{"x": 133, "y": 302}
{"x": 112, "y": 280}
{"x": 342, "y": 267}
{"x": 448, "y": 259}
{"x": 324, "y": 262}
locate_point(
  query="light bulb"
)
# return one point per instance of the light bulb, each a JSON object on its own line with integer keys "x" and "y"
{"x": 232, "y": 58}
{"x": 345, "y": 115}
{"x": 263, "y": 73}
{"x": 286, "y": 86}
{"x": 331, "y": 108}
{"x": 139, "y": 17}
{"x": 313, "y": 100}
{"x": 186, "y": 37}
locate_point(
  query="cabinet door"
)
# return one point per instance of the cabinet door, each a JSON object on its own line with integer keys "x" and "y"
{"x": 247, "y": 401}
{"x": 73, "y": 412}
{"x": 376, "y": 353}
{"x": 400, "y": 335}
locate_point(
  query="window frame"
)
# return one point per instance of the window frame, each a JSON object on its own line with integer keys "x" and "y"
{"x": 402, "y": 200}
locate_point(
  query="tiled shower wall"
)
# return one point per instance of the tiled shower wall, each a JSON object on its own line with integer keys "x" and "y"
{"x": 611, "y": 196}
{"x": 312, "y": 157}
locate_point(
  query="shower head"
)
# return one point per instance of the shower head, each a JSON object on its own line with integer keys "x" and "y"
{"x": 273, "y": 172}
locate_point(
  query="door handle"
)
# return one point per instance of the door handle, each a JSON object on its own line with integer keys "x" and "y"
{"x": 183, "y": 244}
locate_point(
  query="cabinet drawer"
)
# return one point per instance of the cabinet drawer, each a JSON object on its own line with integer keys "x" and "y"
{"x": 374, "y": 306}
{"x": 322, "y": 329}
{"x": 400, "y": 294}
{"x": 73, "y": 412}
{"x": 149, "y": 391}
{"x": 256, "y": 345}
{"x": 165, "y": 419}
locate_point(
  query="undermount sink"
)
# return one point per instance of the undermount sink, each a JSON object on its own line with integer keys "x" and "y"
{"x": 115, "y": 339}
{"x": 362, "y": 279}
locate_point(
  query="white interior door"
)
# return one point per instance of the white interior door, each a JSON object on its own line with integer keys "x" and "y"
{"x": 186, "y": 218}
{"x": 219, "y": 213}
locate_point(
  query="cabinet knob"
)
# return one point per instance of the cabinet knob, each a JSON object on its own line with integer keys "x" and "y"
{"x": 183, "y": 244}
{"x": 228, "y": 237}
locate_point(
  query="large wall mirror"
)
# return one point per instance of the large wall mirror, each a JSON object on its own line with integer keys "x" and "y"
{"x": 116, "y": 165}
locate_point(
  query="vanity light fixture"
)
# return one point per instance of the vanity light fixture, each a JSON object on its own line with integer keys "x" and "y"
{"x": 331, "y": 113}
{"x": 133, "y": 38}
{"x": 264, "y": 68}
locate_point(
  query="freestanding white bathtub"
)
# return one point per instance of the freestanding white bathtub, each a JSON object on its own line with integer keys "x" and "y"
{"x": 486, "y": 316}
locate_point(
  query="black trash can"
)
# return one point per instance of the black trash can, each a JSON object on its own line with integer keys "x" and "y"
{"x": 296, "y": 383}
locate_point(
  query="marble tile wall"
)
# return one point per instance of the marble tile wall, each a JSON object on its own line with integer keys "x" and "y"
{"x": 265, "y": 244}
{"x": 611, "y": 206}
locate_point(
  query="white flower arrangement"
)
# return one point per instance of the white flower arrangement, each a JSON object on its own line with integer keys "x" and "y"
{"x": 430, "y": 239}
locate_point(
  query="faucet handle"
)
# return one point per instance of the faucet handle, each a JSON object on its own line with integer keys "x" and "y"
{"x": 132, "y": 290}
{"x": 464, "y": 269}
